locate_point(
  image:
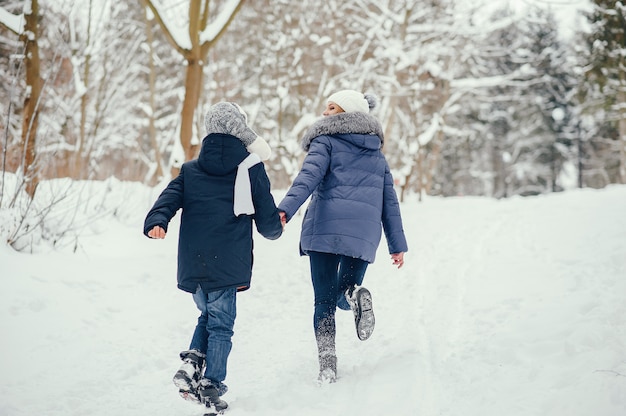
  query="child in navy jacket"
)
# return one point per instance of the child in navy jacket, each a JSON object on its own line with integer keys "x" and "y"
{"x": 220, "y": 194}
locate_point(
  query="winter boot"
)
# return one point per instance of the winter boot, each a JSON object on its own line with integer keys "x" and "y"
{"x": 210, "y": 397}
{"x": 187, "y": 378}
{"x": 327, "y": 357}
{"x": 360, "y": 300}
{"x": 328, "y": 369}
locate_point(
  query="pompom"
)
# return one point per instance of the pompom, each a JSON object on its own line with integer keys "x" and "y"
{"x": 372, "y": 100}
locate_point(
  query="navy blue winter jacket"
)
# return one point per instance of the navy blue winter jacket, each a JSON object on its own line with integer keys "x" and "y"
{"x": 351, "y": 189}
{"x": 215, "y": 246}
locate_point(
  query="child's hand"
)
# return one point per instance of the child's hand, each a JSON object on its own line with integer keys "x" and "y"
{"x": 398, "y": 259}
{"x": 156, "y": 232}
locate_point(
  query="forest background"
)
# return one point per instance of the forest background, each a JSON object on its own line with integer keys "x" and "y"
{"x": 476, "y": 98}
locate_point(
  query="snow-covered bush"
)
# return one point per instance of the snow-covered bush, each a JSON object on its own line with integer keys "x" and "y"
{"x": 63, "y": 210}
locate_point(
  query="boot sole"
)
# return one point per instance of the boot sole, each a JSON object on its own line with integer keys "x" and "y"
{"x": 364, "y": 315}
{"x": 183, "y": 382}
{"x": 190, "y": 396}
{"x": 187, "y": 388}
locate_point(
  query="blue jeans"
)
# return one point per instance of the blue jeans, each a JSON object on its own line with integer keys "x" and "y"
{"x": 332, "y": 275}
{"x": 214, "y": 331}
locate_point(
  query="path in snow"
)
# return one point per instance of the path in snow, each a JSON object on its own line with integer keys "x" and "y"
{"x": 511, "y": 307}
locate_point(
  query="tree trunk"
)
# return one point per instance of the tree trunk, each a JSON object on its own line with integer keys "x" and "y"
{"x": 30, "y": 120}
{"x": 407, "y": 181}
{"x": 79, "y": 156}
{"x": 500, "y": 132}
{"x": 579, "y": 154}
{"x": 152, "y": 132}
{"x": 193, "y": 87}
{"x": 195, "y": 57}
{"x": 420, "y": 171}
{"x": 433, "y": 161}
{"x": 621, "y": 129}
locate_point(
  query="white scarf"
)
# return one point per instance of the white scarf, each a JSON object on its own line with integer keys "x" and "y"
{"x": 243, "y": 192}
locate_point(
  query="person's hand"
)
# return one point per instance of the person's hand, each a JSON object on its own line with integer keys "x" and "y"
{"x": 283, "y": 218}
{"x": 398, "y": 259}
{"x": 156, "y": 232}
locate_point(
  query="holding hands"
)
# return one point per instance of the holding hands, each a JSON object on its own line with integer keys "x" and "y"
{"x": 398, "y": 258}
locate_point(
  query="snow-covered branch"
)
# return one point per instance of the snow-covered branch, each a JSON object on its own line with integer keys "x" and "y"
{"x": 178, "y": 38}
{"x": 15, "y": 23}
{"x": 429, "y": 134}
{"x": 215, "y": 29}
{"x": 491, "y": 81}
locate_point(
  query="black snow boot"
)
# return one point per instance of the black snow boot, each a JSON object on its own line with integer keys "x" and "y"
{"x": 187, "y": 378}
{"x": 210, "y": 397}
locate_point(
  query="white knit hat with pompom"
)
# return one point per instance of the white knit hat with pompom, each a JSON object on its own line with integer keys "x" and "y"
{"x": 352, "y": 101}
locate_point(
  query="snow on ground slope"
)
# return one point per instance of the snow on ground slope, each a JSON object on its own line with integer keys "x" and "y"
{"x": 514, "y": 307}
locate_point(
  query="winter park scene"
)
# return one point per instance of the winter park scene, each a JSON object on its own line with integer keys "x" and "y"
{"x": 179, "y": 179}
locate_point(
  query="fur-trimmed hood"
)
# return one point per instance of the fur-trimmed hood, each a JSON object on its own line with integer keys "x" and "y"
{"x": 343, "y": 123}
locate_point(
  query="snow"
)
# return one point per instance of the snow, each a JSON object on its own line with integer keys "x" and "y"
{"x": 213, "y": 29}
{"x": 567, "y": 12}
{"x": 428, "y": 135}
{"x": 512, "y": 307}
{"x": 14, "y": 23}
{"x": 179, "y": 33}
{"x": 173, "y": 16}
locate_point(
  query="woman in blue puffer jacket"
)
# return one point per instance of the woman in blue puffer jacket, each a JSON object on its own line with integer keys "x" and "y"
{"x": 352, "y": 202}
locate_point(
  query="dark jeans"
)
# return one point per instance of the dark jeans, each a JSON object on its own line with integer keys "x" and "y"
{"x": 332, "y": 274}
{"x": 214, "y": 331}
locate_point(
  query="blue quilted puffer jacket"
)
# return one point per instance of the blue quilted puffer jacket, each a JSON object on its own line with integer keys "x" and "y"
{"x": 351, "y": 189}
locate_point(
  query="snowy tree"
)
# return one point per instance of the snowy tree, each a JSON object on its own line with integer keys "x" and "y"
{"x": 93, "y": 115}
{"x": 299, "y": 54}
{"x": 606, "y": 76}
{"x": 555, "y": 106}
{"x": 508, "y": 137}
{"x": 26, "y": 26}
{"x": 144, "y": 88}
{"x": 471, "y": 102}
{"x": 530, "y": 144}
{"x": 418, "y": 71}
{"x": 30, "y": 216}
{"x": 193, "y": 44}
{"x": 281, "y": 75}
{"x": 10, "y": 105}
{"x": 425, "y": 73}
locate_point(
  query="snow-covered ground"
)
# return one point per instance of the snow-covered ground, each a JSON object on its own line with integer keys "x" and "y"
{"x": 514, "y": 307}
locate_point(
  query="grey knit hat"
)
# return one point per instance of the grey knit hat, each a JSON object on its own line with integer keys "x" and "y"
{"x": 229, "y": 118}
